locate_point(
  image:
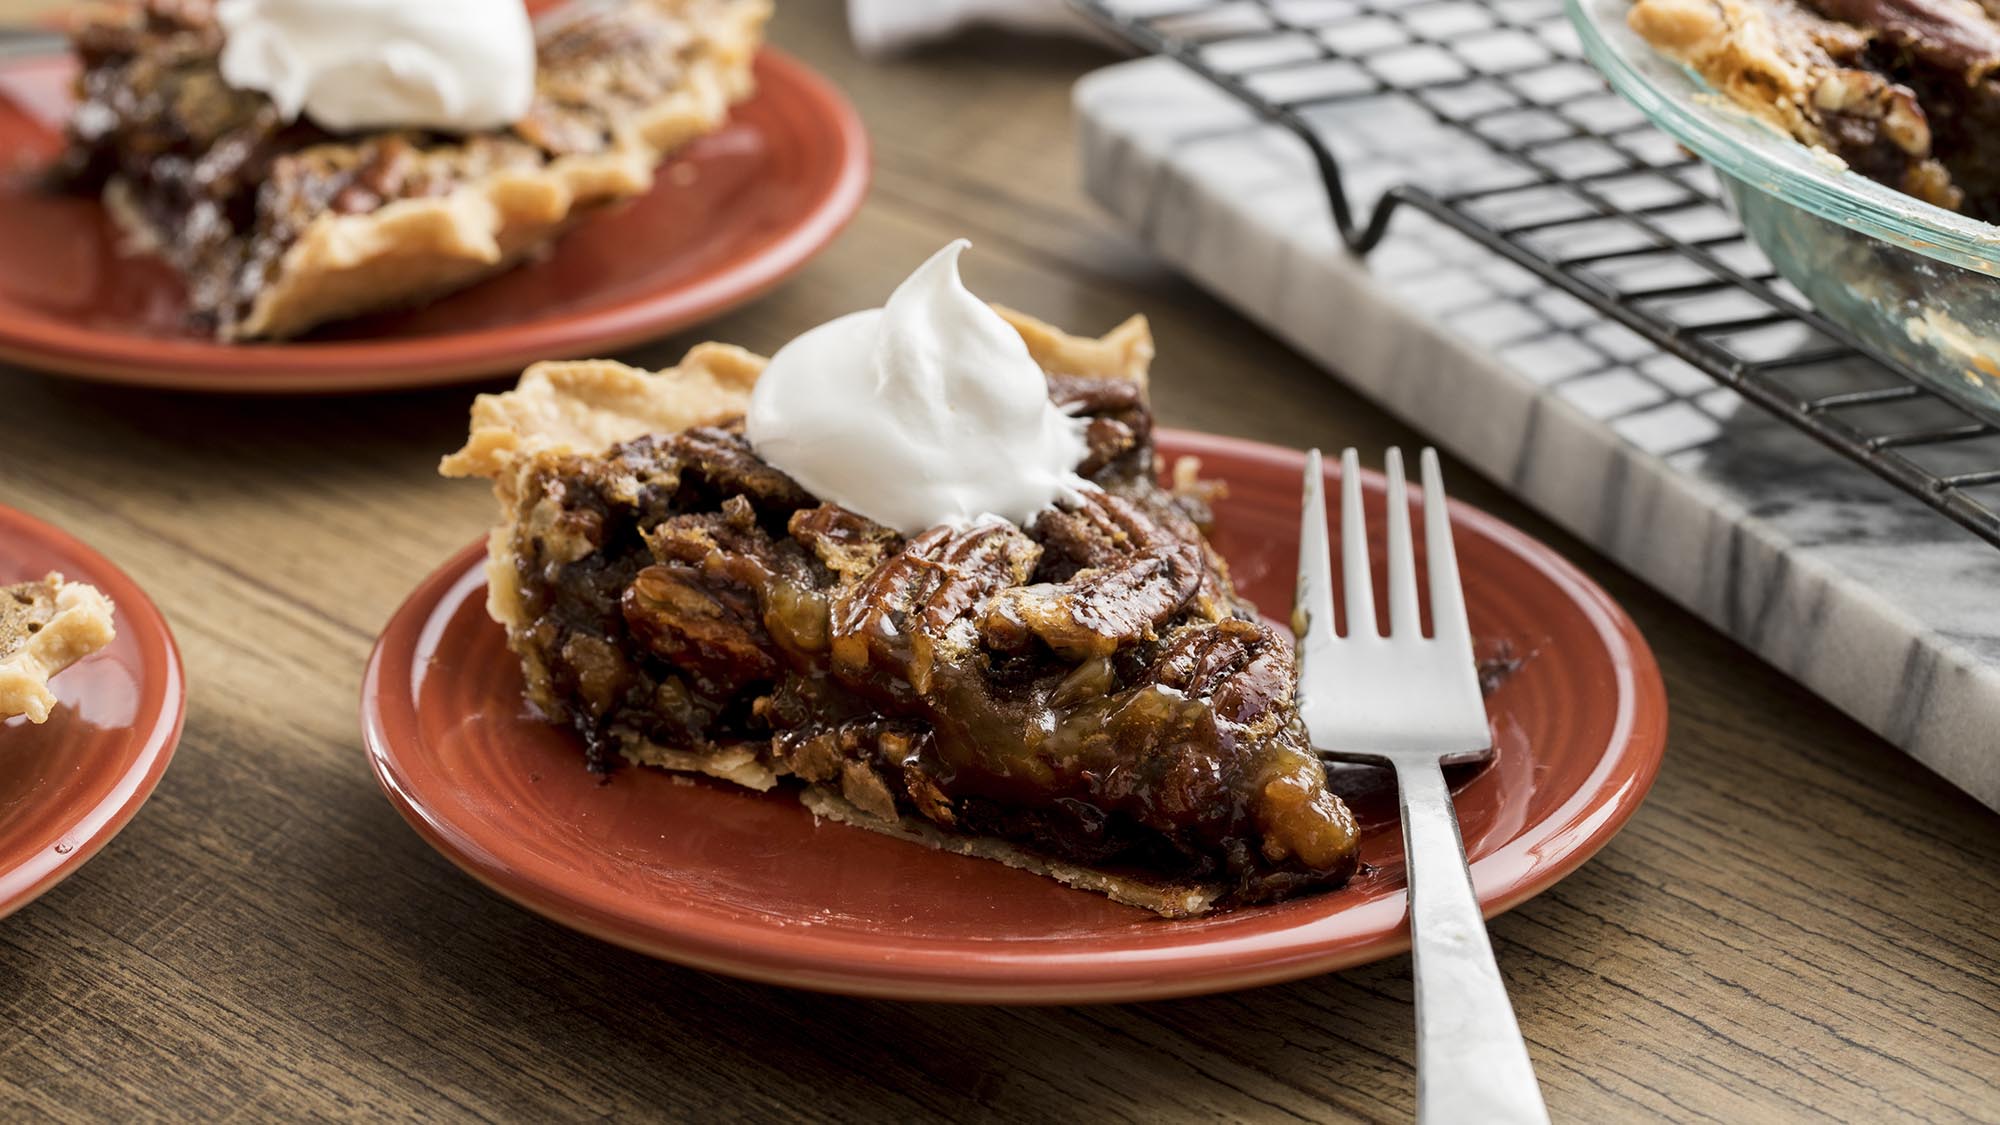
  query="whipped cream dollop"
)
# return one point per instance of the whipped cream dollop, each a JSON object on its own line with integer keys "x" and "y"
{"x": 452, "y": 65}
{"x": 926, "y": 411}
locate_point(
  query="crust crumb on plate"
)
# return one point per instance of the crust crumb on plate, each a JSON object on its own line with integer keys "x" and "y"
{"x": 45, "y": 627}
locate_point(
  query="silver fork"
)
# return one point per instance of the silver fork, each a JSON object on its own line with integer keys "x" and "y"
{"x": 1413, "y": 702}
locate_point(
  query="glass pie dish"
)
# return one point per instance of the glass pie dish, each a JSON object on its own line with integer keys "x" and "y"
{"x": 1914, "y": 282}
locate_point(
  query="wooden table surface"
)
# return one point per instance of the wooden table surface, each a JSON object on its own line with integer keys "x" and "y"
{"x": 1799, "y": 924}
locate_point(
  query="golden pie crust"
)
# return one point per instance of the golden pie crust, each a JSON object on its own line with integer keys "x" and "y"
{"x": 45, "y": 627}
{"x": 587, "y": 406}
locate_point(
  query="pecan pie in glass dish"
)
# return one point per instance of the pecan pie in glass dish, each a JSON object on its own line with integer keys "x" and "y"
{"x": 1857, "y": 142}
{"x": 1080, "y": 693}
{"x": 45, "y": 627}
{"x": 1902, "y": 91}
{"x": 277, "y": 222}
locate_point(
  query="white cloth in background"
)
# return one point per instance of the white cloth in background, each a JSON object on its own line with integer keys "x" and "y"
{"x": 882, "y": 27}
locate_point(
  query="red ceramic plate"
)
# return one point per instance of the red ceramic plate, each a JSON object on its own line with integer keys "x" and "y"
{"x": 730, "y": 217}
{"x": 748, "y": 884}
{"x": 68, "y": 785}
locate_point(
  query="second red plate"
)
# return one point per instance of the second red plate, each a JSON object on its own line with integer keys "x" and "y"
{"x": 729, "y": 217}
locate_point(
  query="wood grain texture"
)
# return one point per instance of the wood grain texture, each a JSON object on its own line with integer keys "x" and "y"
{"x": 1799, "y": 925}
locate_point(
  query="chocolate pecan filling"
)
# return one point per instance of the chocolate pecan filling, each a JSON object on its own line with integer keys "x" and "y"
{"x": 225, "y": 187}
{"x": 1089, "y": 686}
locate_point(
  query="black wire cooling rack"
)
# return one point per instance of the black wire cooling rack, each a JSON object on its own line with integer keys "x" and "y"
{"x": 1595, "y": 202}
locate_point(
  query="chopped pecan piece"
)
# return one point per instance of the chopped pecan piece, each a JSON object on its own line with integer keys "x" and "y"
{"x": 849, "y": 545}
{"x": 721, "y": 461}
{"x": 1137, "y": 577}
{"x": 709, "y": 628}
{"x": 1120, "y": 428}
{"x": 891, "y": 629}
{"x": 1249, "y": 677}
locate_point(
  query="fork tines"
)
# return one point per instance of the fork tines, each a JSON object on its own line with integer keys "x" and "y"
{"x": 1396, "y": 682}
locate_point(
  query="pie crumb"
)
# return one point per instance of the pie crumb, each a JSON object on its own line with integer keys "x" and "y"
{"x": 45, "y": 627}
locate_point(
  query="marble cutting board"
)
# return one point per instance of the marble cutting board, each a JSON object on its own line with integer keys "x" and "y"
{"x": 1873, "y": 601}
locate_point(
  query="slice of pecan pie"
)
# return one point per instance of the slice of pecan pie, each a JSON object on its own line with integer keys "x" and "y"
{"x": 277, "y": 227}
{"x": 1903, "y": 91}
{"x": 1086, "y": 696}
{"x": 45, "y": 627}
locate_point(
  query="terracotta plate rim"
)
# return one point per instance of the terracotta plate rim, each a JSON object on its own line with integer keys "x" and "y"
{"x": 919, "y": 970}
{"x": 165, "y": 702}
{"x": 458, "y": 357}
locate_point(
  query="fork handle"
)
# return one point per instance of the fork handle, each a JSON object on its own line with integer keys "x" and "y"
{"x": 1472, "y": 1065}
